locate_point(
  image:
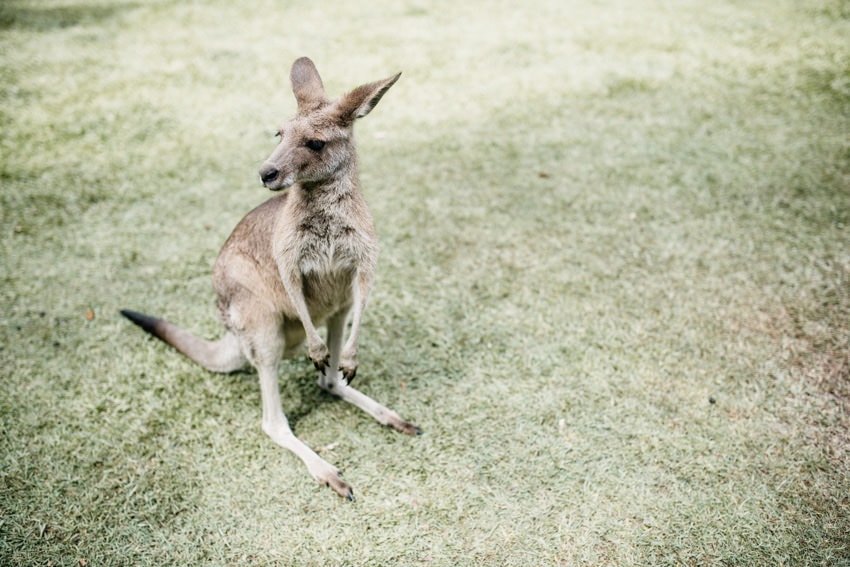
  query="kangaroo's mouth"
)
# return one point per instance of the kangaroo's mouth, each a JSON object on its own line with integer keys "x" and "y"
{"x": 274, "y": 179}
{"x": 278, "y": 185}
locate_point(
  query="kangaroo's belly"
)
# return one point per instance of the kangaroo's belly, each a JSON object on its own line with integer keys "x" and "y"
{"x": 327, "y": 276}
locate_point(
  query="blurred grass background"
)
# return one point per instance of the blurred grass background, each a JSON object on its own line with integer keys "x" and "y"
{"x": 614, "y": 287}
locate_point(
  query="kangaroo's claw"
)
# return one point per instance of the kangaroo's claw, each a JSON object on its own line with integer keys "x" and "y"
{"x": 348, "y": 374}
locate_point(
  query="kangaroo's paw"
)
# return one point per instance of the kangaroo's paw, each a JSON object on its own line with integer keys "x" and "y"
{"x": 333, "y": 478}
{"x": 320, "y": 355}
{"x": 348, "y": 364}
{"x": 348, "y": 374}
{"x": 397, "y": 423}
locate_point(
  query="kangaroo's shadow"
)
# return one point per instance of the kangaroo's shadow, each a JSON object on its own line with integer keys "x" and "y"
{"x": 298, "y": 385}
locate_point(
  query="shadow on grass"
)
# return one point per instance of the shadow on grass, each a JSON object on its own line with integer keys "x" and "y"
{"x": 300, "y": 393}
{"x": 46, "y": 18}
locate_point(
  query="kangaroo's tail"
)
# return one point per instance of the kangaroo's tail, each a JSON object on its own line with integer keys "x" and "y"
{"x": 223, "y": 355}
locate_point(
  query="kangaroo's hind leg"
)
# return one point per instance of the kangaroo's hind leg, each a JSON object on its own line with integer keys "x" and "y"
{"x": 263, "y": 344}
{"x": 331, "y": 380}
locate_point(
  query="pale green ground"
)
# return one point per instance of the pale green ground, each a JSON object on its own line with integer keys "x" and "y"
{"x": 595, "y": 216}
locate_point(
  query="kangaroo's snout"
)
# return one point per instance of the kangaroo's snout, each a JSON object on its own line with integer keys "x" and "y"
{"x": 268, "y": 174}
{"x": 273, "y": 178}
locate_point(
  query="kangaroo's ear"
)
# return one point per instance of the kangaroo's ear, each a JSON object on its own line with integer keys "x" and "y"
{"x": 306, "y": 83}
{"x": 360, "y": 102}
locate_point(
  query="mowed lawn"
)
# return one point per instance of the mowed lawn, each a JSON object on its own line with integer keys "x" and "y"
{"x": 614, "y": 286}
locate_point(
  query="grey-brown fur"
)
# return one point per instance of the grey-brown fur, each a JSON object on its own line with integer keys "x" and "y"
{"x": 300, "y": 260}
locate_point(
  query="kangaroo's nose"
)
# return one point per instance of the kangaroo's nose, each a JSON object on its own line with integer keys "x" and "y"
{"x": 268, "y": 174}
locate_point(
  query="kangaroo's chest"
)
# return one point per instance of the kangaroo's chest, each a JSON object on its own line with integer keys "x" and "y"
{"x": 327, "y": 278}
{"x": 325, "y": 251}
{"x": 328, "y": 250}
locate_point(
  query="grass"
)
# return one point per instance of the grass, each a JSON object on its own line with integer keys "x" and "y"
{"x": 614, "y": 287}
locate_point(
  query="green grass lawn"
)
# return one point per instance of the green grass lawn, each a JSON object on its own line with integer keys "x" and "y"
{"x": 614, "y": 288}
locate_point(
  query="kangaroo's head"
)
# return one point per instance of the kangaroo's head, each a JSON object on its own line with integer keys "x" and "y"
{"x": 316, "y": 145}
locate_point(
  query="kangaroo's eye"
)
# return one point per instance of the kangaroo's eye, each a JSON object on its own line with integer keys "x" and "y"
{"x": 278, "y": 134}
{"x": 315, "y": 145}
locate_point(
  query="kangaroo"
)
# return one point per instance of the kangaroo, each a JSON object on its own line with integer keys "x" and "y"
{"x": 302, "y": 259}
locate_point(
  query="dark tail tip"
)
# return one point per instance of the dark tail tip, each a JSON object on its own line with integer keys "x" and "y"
{"x": 146, "y": 322}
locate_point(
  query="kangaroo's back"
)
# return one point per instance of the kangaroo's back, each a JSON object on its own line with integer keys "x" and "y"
{"x": 246, "y": 262}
